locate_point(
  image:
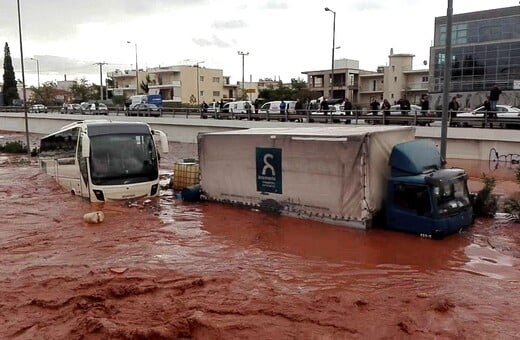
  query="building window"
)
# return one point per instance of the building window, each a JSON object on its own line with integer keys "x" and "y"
{"x": 393, "y": 68}
{"x": 374, "y": 85}
{"x": 201, "y": 78}
{"x": 424, "y": 79}
{"x": 216, "y": 93}
{"x": 395, "y": 79}
{"x": 392, "y": 95}
{"x": 216, "y": 79}
{"x": 202, "y": 93}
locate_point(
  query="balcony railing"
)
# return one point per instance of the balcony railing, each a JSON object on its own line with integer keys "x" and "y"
{"x": 173, "y": 83}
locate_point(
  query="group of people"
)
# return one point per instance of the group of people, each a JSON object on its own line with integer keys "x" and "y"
{"x": 308, "y": 105}
{"x": 490, "y": 106}
{"x": 404, "y": 106}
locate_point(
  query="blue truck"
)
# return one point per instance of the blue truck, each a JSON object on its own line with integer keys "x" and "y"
{"x": 155, "y": 99}
{"x": 423, "y": 197}
{"x": 360, "y": 176}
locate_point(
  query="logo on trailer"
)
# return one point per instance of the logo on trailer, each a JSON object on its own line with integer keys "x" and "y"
{"x": 269, "y": 170}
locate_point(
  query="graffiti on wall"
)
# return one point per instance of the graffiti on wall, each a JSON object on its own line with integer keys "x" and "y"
{"x": 496, "y": 160}
{"x": 472, "y": 100}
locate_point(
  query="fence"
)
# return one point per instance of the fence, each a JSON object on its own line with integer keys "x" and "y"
{"x": 305, "y": 116}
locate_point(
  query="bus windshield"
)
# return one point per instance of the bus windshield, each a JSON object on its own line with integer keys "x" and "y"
{"x": 122, "y": 159}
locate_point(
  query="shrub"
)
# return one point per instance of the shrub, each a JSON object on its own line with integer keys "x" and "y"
{"x": 486, "y": 204}
{"x": 512, "y": 205}
{"x": 13, "y": 147}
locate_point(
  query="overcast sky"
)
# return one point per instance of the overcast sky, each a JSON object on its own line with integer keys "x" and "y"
{"x": 283, "y": 37}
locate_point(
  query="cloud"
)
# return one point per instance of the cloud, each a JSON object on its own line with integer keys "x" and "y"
{"x": 274, "y": 4}
{"x": 59, "y": 19}
{"x": 367, "y": 5}
{"x": 56, "y": 67}
{"x": 230, "y": 24}
{"x": 214, "y": 41}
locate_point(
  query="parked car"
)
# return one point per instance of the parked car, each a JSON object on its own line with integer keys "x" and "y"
{"x": 400, "y": 117}
{"x": 38, "y": 108}
{"x": 502, "y": 111}
{"x": 144, "y": 109}
{"x": 70, "y": 108}
{"x": 94, "y": 108}
{"x": 337, "y": 111}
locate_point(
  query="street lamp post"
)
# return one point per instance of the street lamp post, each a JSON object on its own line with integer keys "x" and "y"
{"x": 333, "y": 48}
{"x": 37, "y": 69}
{"x": 23, "y": 81}
{"x": 136, "y": 69}
{"x": 198, "y": 81}
{"x": 243, "y": 54}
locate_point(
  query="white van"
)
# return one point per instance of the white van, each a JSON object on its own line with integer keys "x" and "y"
{"x": 240, "y": 107}
{"x": 138, "y": 99}
{"x": 274, "y": 107}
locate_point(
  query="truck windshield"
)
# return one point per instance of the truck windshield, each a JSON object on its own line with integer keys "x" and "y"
{"x": 122, "y": 159}
{"x": 451, "y": 196}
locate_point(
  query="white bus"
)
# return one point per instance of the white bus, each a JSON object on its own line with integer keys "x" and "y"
{"x": 104, "y": 160}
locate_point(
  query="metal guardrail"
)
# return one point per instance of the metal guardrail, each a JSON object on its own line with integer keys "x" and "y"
{"x": 356, "y": 117}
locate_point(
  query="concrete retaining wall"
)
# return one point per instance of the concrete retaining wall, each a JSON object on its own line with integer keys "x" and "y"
{"x": 464, "y": 143}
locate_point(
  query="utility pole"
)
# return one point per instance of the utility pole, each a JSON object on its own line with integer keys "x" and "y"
{"x": 100, "y": 79}
{"x": 447, "y": 80}
{"x": 243, "y": 54}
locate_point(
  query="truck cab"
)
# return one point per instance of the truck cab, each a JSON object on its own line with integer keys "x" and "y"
{"x": 422, "y": 197}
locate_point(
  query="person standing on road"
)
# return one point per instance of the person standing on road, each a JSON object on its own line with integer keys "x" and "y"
{"x": 386, "y": 110}
{"x": 453, "y": 108}
{"x": 324, "y": 106}
{"x": 404, "y": 105}
{"x": 298, "y": 108}
{"x": 282, "y": 107}
{"x": 347, "y": 106}
{"x": 494, "y": 95}
{"x": 425, "y": 104}
{"x": 489, "y": 113}
{"x": 374, "y": 106}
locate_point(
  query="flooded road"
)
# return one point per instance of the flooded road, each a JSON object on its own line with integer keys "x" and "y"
{"x": 172, "y": 269}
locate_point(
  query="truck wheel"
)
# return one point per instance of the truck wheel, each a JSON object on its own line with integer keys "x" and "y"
{"x": 437, "y": 235}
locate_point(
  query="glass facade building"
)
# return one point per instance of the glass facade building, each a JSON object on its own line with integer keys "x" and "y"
{"x": 485, "y": 51}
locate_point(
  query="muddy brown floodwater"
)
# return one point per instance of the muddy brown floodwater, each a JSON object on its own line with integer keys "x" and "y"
{"x": 170, "y": 269}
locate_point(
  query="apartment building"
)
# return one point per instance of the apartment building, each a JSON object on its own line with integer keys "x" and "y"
{"x": 187, "y": 84}
{"x": 396, "y": 80}
{"x": 485, "y": 52}
{"x": 253, "y": 88}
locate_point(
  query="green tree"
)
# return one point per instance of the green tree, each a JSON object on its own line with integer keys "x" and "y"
{"x": 82, "y": 91}
{"x": 9, "y": 89}
{"x": 297, "y": 89}
{"x": 46, "y": 94}
{"x": 144, "y": 84}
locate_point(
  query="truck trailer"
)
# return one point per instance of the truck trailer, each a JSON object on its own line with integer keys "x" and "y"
{"x": 342, "y": 175}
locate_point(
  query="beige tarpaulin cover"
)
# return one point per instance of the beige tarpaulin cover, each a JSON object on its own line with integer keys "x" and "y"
{"x": 336, "y": 174}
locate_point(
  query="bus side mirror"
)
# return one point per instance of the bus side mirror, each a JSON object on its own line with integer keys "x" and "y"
{"x": 163, "y": 139}
{"x": 85, "y": 147}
